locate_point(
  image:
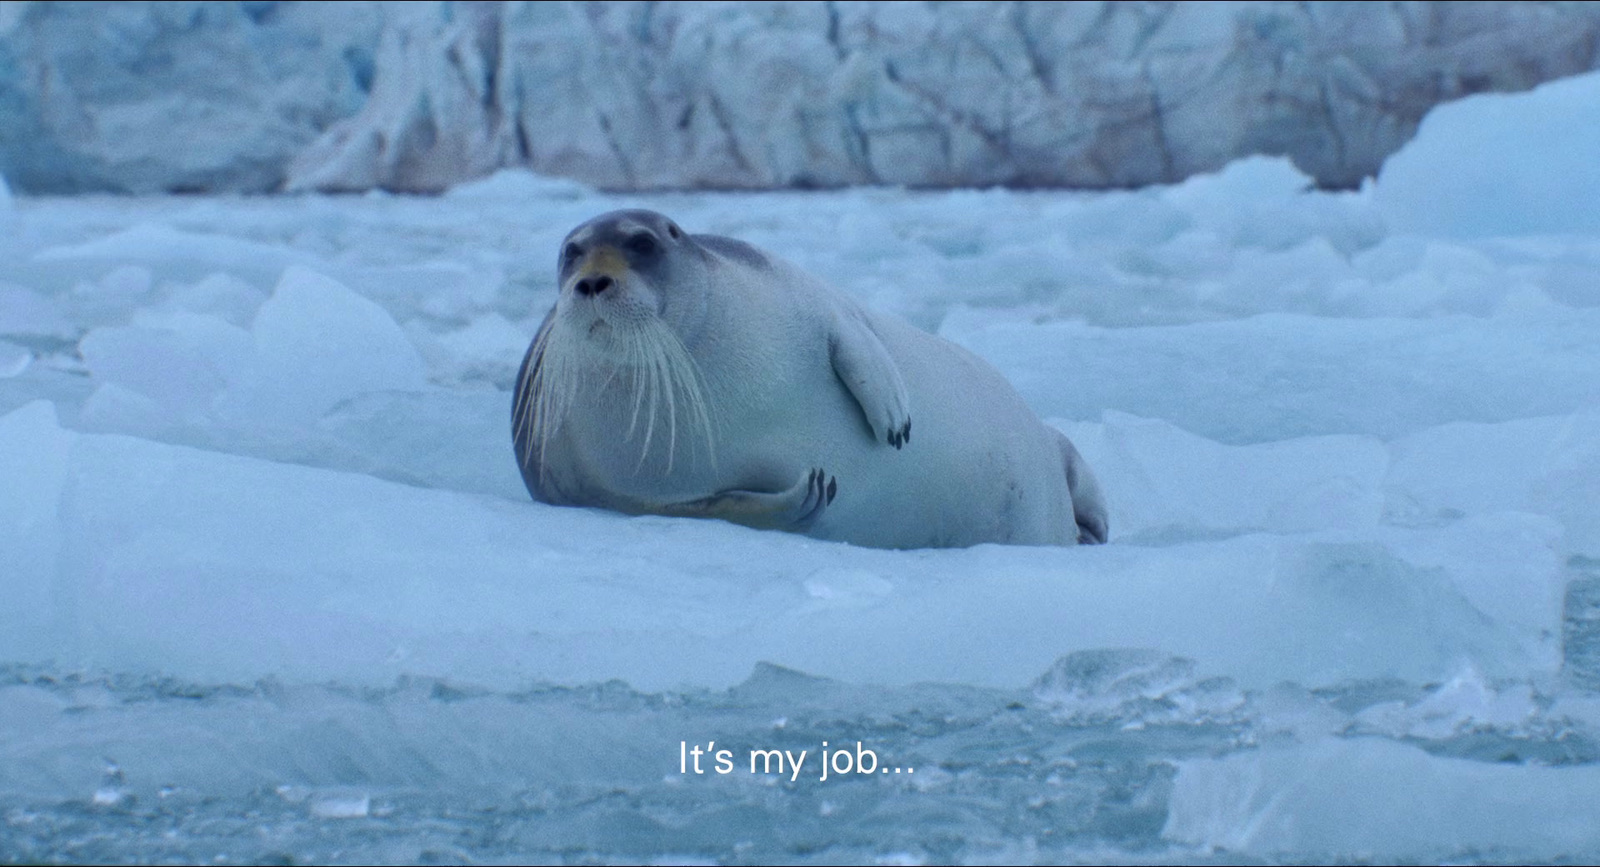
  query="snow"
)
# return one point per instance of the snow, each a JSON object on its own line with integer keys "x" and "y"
{"x": 268, "y": 556}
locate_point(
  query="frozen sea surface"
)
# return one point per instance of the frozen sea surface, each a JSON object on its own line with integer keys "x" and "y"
{"x": 272, "y": 589}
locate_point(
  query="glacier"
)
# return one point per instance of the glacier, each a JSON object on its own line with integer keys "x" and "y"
{"x": 418, "y": 96}
{"x": 272, "y": 588}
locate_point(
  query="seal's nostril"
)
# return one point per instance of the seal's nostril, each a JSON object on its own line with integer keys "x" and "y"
{"x": 593, "y": 285}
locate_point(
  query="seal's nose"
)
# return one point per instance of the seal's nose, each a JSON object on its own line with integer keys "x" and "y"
{"x": 593, "y": 285}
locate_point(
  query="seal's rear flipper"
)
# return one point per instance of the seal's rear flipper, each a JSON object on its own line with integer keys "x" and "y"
{"x": 795, "y": 509}
{"x": 1088, "y": 504}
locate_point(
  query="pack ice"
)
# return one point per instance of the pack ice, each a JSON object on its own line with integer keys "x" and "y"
{"x": 266, "y": 548}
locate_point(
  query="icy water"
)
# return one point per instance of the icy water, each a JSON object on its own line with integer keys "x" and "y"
{"x": 1086, "y": 765}
{"x": 272, "y": 590}
{"x": 556, "y": 774}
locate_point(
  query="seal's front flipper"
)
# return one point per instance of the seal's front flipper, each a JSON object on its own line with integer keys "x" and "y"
{"x": 793, "y": 509}
{"x": 1088, "y": 504}
{"x": 864, "y": 365}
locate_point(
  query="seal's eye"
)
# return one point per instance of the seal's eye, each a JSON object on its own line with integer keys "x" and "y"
{"x": 643, "y": 245}
{"x": 571, "y": 252}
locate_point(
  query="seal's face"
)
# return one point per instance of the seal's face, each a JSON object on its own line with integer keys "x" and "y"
{"x": 616, "y": 354}
{"x": 625, "y": 270}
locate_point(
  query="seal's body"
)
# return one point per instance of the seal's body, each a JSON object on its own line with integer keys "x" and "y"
{"x": 696, "y": 375}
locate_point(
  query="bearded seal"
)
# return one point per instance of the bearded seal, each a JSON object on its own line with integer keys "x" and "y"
{"x": 696, "y": 375}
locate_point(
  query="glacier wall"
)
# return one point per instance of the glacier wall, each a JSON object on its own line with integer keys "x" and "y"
{"x": 174, "y": 97}
{"x": 262, "y": 96}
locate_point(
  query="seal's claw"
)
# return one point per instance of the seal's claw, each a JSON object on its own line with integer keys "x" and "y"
{"x": 898, "y": 437}
{"x": 819, "y": 491}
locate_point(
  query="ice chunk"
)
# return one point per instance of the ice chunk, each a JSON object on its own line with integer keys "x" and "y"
{"x": 1339, "y": 799}
{"x": 1507, "y": 565}
{"x": 222, "y": 295}
{"x": 519, "y": 185}
{"x": 1465, "y": 702}
{"x": 1313, "y": 273}
{"x": 164, "y": 371}
{"x": 158, "y": 363}
{"x": 1567, "y": 269}
{"x": 25, "y": 312}
{"x": 222, "y": 568}
{"x": 1280, "y": 376}
{"x": 125, "y": 284}
{"x": 116, "y": 408}
{"x": 441, "y": 290}
{"x": 226, "y": 346}
{"x": 316, "y": 344}
{"x": 1266, "y": 202}
{"x": 34, "y": 460}
{"x": 846, "y": 588}
{"x": 1245, "y": 183}
{"x": 177, "y": 250}
{"x": 1466, "y": 468}
{"x": 490, "y": 348}
{"x": 1580, "y": 633}
{"x": 1355, "y": 606}
{"x": 106, "y": 299}
{"x": 1167, "y": 483}
{"x": 1549, "y": 466}
{"x": 453, "y": 439}
{"x": 341, "y": 805}
{"x": 1141, "y": 686}
{"x": 14, "y": 359}
{"x": 1569, "y": 485}
{"x": 1501, "y": 164}
{"x": 113, "y": 787}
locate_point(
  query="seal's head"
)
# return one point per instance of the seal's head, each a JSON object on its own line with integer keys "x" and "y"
{"x": 633, "y": 293}
{"x": 628, "y": 270}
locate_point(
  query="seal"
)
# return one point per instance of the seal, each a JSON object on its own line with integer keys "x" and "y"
{"x": 696, "y": 375}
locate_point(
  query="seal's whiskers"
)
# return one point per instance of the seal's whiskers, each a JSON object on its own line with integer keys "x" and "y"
{"x": 648, "y": 359}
